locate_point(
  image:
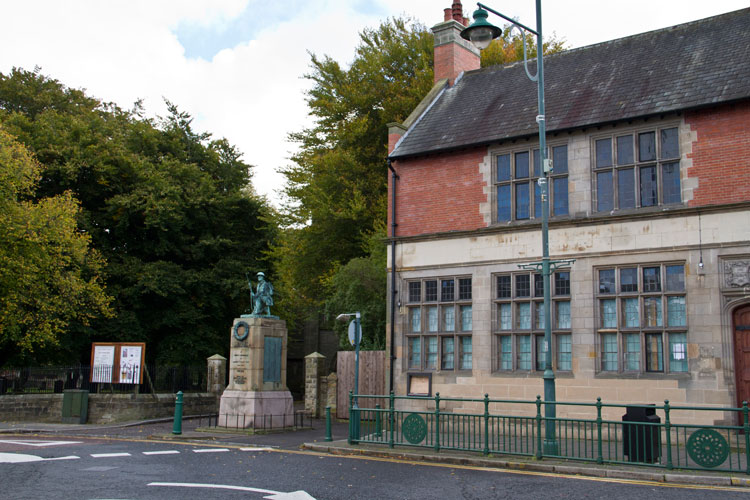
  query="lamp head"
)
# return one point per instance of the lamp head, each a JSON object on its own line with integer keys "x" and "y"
{"x": 481, "y": 32}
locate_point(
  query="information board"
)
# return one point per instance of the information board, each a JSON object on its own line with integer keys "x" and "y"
{"x": 117, "y": 362}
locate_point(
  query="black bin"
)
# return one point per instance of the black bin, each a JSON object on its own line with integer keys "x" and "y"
{"x": 641, "y": 443}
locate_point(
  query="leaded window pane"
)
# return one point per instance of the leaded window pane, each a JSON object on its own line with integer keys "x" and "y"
{"x": 524, "y": 352}
{"x": 415, "y": 352}
{"x": 625, "y": 150}
{"x": 522, "y": 165}
{"x": 503, "y": 168}
{"x": 522, "y": 200}
{"x": 670, "y": 147}
{"x": 603, "y": 153}
{"x": 505, "y": 317}
{"x": 538, "y": 285}
{"x": 541, "y": 353}
{"x": 523, "y": 285}
{"x": 503, "y": 202}
{"x": 648, "y": 186}
{"x": 415, "y": 291}
{"x": 564, "y": 353}
{"x": 430, "y": 291}
{"x": 415, "y": 319}
{"x": 560, "y": 159}
{"x": 432, "y": 319}
{"x": 537, "y": 201}
{"x": 524, "y": 316}
{"x": 629, "y": 279}
{"x": 537, "y": 163}
{"x": 449, "y": 318}
{"x": 675, "y": 278}
{"x": 632, "y": 351}
{"x": 464, "y": 289}
{"x": 560, "y": 201}
{"x": 654, "y": 355}
{"x": 678, "y": 352}
{"x": 676, "y": 313}
{"x": 631, "y": 316}
{"x": 604, "y": 198}
{"x": 447, "y": 290}
{"x": 652, "y": 279}
{"x": 607, "y": 281}
{"x": 539, "y": 315}
{"x": 503, "y": 287}
{"x": 466, "y": 361}
{"x": 626, "y": 188}
{"x": 670, "y": 175}
{"x": 431, "y": 346}
{"x": 506, "y": 353}
{"x": 609, "y": 352}
{"x": 647, "y": 146}
{"x": 608, "y": 313}
{"x": 562, "y": 283}
{"x": 465, "y": 318}
{"x": 448, "y": 353}
{"x": 563, "y": 314}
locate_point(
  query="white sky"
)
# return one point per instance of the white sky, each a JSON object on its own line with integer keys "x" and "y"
{"x": 236, "y": 65}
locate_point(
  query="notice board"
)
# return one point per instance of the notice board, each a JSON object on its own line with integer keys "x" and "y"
{"x": 117, "y": 362}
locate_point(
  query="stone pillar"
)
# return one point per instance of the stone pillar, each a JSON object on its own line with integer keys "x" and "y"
{"x": 314, "y": 369}
{"x": 331, "y": 393}
{"x": 217, "y": 374}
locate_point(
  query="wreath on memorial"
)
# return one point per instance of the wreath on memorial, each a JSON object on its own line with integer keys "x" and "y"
{"x": 236, "y": 330}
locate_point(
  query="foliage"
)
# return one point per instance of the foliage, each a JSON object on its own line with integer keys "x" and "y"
{"x": 49, "y": 274}
{"x": 171, "y": 210}
{"x": 337, "y": 185}
{"x": 509, "y": 47}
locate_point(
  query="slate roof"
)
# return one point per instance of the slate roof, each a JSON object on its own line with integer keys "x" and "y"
{"x": 686, "y": 66}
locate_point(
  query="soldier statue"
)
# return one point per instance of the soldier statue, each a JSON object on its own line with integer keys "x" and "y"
{"x": 262, "y": 298}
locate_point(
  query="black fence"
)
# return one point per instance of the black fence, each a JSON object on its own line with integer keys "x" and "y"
{"x": 155, "y": 379}
{"x": 269, "y": 422}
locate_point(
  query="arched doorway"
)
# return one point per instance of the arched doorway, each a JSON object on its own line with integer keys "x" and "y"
{"x": 741, "y": 327}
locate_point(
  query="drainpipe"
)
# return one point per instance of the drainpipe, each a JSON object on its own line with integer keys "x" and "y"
{"x": 394, "y": 177}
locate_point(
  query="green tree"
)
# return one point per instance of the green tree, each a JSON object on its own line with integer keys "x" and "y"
{"x": 509, "y": 47}
{"x": 171, "y": 209}
{"x": 50, "y": 277}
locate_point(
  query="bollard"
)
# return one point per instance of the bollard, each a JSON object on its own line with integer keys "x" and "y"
{"x": 328, "y": 424}
{"x": 177, "y": 427}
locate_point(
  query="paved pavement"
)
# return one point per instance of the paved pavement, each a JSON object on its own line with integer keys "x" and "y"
{"x": 313, "y": 439}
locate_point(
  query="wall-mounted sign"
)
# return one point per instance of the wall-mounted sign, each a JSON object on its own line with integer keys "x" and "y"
{"x": 117, "y": 362}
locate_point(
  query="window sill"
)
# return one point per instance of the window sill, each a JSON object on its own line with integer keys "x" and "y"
{"x": 644, "y": 376}
{"x": 529, "y": 374}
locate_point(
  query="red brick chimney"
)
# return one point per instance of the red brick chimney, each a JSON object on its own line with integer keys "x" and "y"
{"x": 453, "y": 54}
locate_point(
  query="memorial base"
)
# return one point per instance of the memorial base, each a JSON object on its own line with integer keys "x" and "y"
{"x": 256, "y": 409}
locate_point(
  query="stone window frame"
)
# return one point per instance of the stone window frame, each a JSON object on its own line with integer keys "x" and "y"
{"x": 621, "y": 342}
{"x": 559, "y": 293}
{"x": 461, "y": 340}
{"x": 618, "y": 166}
{"x": 534, "y": 171}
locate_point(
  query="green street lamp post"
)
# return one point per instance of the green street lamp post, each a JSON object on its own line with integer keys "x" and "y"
{"x": 481, "y": 33}
{"x": 355, "y": 336}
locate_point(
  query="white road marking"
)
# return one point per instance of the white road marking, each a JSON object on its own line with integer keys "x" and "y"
{"x": 163, "y": 452}
{"x": 109, "y": 455}
{"x": 210, "y": 450}
{"x": 271, "y": 495}
{"x": 17, "y": 458}
{"x": 25, "y": 442}
{"x": 69, "y": 457}
{"x": 265, "y": 448}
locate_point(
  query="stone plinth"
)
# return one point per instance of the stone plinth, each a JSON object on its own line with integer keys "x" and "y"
{"x": 217, "y": 373}
{"x": 257, "y": 395}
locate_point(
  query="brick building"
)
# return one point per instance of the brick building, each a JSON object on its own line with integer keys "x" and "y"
{"x": 649, "y": 136}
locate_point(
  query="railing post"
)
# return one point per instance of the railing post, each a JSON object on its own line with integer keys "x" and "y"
{"x": 328, "y": 424}
{"x": 538, "y": 427}
{"x": 746, "y": 426}
{"x": 437, "y": 421}
{"x": 351, "y": 418}
{"x": 378, "y": 426}
{"x": 392, "y": 419}
{"x": 668, "y": 430}
{"x": 486, "y": 424}
{"x": 599, "y": 457}
{"x": 177, "y": 426}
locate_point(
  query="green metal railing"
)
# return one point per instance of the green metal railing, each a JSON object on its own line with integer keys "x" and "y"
{"x": 648, "y": 435}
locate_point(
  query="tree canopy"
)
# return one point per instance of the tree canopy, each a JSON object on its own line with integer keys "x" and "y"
{"x": 171, "y": 211}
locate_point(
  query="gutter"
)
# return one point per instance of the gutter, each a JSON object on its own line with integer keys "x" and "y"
{"x": 394, "y": 177}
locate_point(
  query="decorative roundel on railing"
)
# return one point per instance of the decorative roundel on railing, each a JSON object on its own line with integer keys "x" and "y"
{"x": 707, "y": 448}
{"x": 241, "y": 330}
{"x": 414, "y": 428}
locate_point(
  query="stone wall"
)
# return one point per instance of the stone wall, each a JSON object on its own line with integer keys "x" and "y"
{"x": 104, "y": 408}
{"x": 320, "y": 390}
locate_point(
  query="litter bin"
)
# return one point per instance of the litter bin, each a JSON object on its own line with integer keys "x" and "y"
{"x": 75, "y": 408}
{"x": 641, "y": 443}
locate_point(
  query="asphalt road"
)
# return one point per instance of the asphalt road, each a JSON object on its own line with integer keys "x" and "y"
{"x": 33, "y": 467}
